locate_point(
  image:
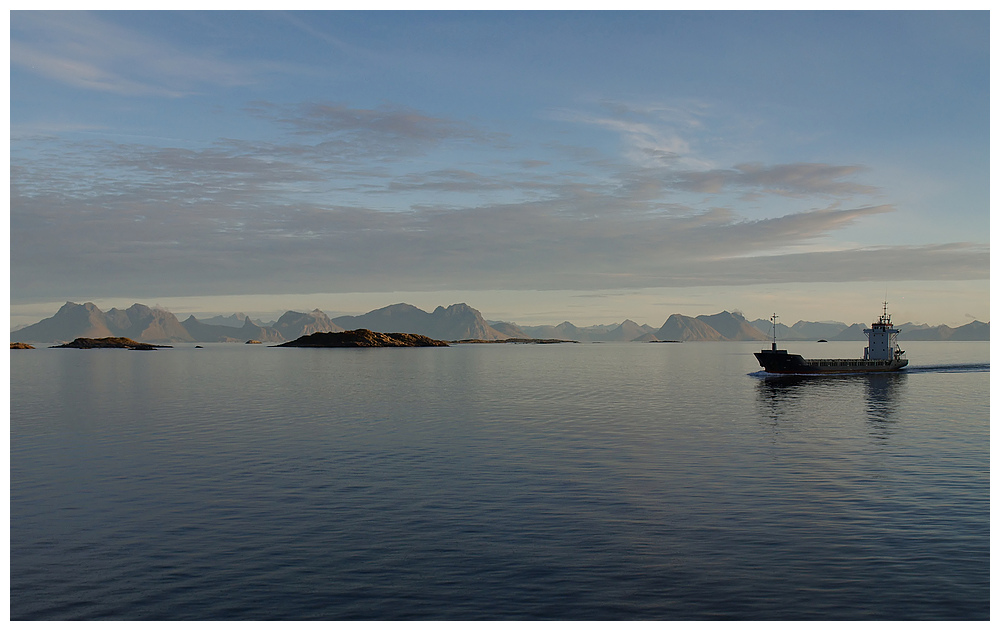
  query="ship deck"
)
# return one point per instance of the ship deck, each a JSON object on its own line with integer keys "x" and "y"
{"x": 848, "y": 363}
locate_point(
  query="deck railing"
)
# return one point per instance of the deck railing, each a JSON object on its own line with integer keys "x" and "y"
{"x": 848, "y": 363}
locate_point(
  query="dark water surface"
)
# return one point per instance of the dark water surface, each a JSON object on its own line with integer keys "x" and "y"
{"x": 577, "y": 481}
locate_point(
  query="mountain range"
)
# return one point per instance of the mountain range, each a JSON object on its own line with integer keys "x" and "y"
{"x": 974, "y": 331}
{"x": 146, "y": 324}
{"x": 457, "y": 322}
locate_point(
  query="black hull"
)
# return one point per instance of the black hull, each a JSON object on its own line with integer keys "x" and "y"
{"x": 784, "y": 363}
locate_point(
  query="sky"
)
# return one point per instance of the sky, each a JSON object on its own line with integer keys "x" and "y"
{"x": 538, "y": 166}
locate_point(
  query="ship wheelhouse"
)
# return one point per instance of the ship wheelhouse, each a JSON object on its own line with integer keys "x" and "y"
{"x": 882, "y": 338}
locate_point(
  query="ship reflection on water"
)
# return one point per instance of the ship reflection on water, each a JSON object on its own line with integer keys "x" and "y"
{"x": 784, "y": 399}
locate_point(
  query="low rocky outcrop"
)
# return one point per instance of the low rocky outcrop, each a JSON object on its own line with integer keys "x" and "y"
{"x": 14, "y": 345}
{"x": 361, "y": 338}
{"x": 111, "y": 342}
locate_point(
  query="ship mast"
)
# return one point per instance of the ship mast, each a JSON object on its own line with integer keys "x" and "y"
{"x": 774, "y": 331}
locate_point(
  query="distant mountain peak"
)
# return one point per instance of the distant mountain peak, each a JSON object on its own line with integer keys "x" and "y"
{"x": 457, "y": 321}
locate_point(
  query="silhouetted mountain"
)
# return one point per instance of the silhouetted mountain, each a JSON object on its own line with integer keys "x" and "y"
{"x": 509, "y": 329}
{"x": 941, "y": 332}
{"x": 650, "y": 337}
{"x": 625, "y": 332}
{"x": 569, "y": 331}
{"x": 236, "y": 320}
{"x": 460, "y": 322}
{"x": 201, "y": 332}
{"x": 732, "y": 326}
{"x": 840, "y": 332}
{"x": 817, "y": 330}
{"x": 784, "y": 331}
{"x": 386, "y": 319}
{"x": 973, "y": 331}
{"x": 685, "y": 328}
{"x": 723, "y": 326}
{"x": 251, "y": 331}
{"x": 457, "y": 322}
{"x": 292, "y": 324}
{"x": 70, "y": 322}
{"x": 142, "y": 323}
{"x": 802, "y": 330}
{"x": 853, "y": 333}
{"x": 74, "y": 321}
{"x": 911, "y": 326}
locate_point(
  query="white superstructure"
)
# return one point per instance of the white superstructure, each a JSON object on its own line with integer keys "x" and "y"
{"x": 882, "y": 338}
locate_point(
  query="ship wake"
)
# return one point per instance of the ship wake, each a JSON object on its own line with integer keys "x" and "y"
{"x": 940, "y": 368}
{"x": 936, "y": 368}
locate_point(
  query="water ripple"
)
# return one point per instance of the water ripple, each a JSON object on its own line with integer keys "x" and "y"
{"x": 530, "y": 483}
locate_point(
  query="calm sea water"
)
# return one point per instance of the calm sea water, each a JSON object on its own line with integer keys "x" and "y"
{"x": 576, "y": 481}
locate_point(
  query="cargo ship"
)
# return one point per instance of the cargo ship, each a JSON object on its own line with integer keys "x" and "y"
{"x": 881, "y": 355}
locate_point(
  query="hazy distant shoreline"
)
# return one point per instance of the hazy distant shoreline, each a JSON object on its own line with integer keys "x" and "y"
{"x": 456, "y": 322}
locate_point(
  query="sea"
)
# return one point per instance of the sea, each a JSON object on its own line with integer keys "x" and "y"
{"x": 616, "y": 481}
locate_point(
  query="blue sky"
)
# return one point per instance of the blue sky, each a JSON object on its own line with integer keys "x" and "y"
{"x": 539, "y": 166}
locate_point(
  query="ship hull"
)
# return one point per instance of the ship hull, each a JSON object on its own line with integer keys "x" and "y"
{"x": 784, "y": 363}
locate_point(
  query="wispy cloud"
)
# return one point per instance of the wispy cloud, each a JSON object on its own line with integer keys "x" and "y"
{"x": 350, "y": 199}
{"x": 653, "y": 135}
{"x": 384, "y": 132}
{"x": 82, "y": 50}
{"x": 795, "y": 180}
{"x": 578, "y": 240}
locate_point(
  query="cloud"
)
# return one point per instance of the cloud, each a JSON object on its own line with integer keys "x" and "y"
{"x": 579, "y": 242}
{"x": 385, "y": 132}
{"x": 653, "y": 135}
{"x": 948, "y": 261}
{"x": 645, "y": 143}
{"x": 794, "y": 180}
{"x": 338, "y": 209}
{"x": 671, "y": 142}
{"x": 85, "y": 51}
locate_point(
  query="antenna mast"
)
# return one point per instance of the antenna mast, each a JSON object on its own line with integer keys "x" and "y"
{"x": 774, "y": 331}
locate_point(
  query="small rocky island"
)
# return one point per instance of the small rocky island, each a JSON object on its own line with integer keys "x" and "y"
{"x": 362, "y": 338}
{"x": 110, "y": 342}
